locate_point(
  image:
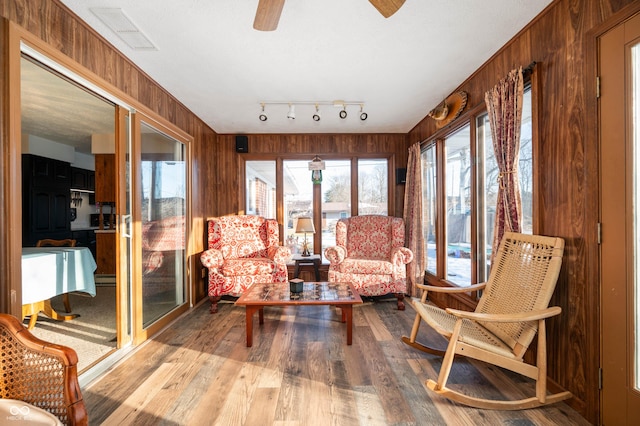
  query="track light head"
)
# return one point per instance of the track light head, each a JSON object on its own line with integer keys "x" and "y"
{"x": 262, "y": 116}
{"x": 316, "y": 116}
{"x": 343, "y": 112}
{"x": 291, "y": 115}
{"x": 363, "y": 115}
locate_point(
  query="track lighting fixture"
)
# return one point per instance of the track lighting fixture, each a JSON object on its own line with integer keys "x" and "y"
{"x": 316, "y": 116}
{"x": 262, "y": 116}
{"x": 363, "y": 115}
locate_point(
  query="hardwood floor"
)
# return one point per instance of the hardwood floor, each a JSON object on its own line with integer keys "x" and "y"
{"x": 299, "y": 372}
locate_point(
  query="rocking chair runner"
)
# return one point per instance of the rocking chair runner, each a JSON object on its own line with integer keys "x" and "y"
{"x": 512, "y": 309}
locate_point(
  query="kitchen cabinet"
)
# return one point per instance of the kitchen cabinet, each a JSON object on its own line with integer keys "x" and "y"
{"x": 85, "y": 238}
{"x": 83, "y": 179}
{"x": 105, "y": 252}
{"x": 105, "y": 178}
{"x": 46, "y": 197}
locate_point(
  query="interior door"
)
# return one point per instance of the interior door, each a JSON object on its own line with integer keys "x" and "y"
{"x": 619, "y": 69}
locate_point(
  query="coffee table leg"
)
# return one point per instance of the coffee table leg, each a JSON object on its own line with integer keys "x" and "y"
{"x": 250, "y": 310}
{"x": 348, "y": 312}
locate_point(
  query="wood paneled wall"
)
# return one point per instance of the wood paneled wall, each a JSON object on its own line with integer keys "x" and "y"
{"x": 53, "y": 23}
{"x": 567, "y": 163}
{"x": 560, "y": 40}
{"x": 224, "y": 180}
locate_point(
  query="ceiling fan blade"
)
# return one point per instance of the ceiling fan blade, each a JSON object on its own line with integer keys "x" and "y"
{"x": 268, "y": 15}
{"x": 387, "y": 7}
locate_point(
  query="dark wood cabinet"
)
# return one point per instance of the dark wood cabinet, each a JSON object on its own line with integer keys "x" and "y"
{"x": 85, "y": 238}
{"x": 83, "y": 179}
{"x": 46, "y": 185}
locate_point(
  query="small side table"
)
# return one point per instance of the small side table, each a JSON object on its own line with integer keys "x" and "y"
{"x": 314, "y": 259}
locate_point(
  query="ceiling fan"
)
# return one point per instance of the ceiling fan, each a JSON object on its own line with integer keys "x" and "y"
{"x": 268, "y": 13}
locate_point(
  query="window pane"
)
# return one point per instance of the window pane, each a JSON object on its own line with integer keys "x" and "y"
{"x": 164, "y": 184}
{"x": 458, "y": 203}
{"x": 298, "y": 202}
{"x": 336, "y": 198}
{"x": 487, "y": 195}
{"x": 261, "y": 188}
{"x": 429, "y": 200}
{"x": 525, "y": 167}
{"x": 373, "y": 193}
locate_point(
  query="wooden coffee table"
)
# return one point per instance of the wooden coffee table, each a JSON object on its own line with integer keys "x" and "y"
{"x": 260, "y": 295}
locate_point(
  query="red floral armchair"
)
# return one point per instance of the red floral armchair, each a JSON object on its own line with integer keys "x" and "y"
{"x": 370, "y": 254}
{"x": 242, "y": 250}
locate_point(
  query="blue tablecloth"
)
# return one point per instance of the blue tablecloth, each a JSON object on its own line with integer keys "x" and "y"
{"x": 50, "y": 271}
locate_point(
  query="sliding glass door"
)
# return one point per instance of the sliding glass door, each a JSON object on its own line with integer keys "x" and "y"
{"x": 160, "y": 209}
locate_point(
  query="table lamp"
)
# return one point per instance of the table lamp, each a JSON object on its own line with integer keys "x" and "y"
{"x": 305, "y": 224}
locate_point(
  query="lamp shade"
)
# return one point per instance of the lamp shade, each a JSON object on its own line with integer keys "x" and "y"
{"x": 305, "y": 224}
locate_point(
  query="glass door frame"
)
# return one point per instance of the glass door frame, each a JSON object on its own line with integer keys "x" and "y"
{"x": 141, "y": 333}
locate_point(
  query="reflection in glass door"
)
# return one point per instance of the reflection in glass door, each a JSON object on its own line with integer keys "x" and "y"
{"x": 163, "y": 186}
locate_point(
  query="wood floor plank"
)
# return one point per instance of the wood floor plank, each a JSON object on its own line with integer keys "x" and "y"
{"x": 300, "y": 372}
{"x": 137, "y": 402}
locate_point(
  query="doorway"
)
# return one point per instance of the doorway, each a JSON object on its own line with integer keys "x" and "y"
{"x": 69, "y": 175}
{"x": 140, "y": 194}
{"x": 619, "y": 115}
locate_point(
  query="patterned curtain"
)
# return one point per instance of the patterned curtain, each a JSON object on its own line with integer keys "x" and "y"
{"x": 504, "y": 106}
{"x": 413, "y": 220}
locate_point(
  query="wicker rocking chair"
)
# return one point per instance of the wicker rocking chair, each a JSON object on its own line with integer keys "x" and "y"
{"x": 512, "y": 309}
{"x": 39, "y": 373}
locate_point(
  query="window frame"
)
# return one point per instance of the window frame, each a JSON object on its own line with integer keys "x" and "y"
{"x": 317, "y": 189}
{"x": 438, "y": 140}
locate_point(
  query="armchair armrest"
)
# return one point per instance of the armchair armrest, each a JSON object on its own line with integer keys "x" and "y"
{"x": 279, "y": 254}
{"x": 212, "y": 259}
{"x": 518, "y": 317}
{"x": 335, "y": 254}
{"x": 401, "y": 255}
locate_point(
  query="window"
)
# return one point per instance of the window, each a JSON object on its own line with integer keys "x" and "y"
{"x": 467, "y": 192}
{"x": 261, "y": 188}
{"x": 326, "y": 202}
{"x": 429, "y": 207}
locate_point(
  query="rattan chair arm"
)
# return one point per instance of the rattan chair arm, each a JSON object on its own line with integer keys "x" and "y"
{"x": 518, "y": 317}
{"x": 438, "y": 289}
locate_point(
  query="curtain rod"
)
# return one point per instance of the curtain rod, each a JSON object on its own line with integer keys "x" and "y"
{"x": 529, "y": 68}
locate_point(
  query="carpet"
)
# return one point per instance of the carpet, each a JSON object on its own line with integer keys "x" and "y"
{"x": 92, "y": 334}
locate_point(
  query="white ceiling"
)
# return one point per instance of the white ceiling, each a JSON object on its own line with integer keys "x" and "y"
{"x": 213, "y": 61}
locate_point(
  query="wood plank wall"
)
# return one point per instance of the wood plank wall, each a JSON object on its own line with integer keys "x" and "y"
{"x": 560, "y": 41}
{"x": 227, "y": 176}
{"x": 52, "y": 22}
{"x": 557, "y": 40}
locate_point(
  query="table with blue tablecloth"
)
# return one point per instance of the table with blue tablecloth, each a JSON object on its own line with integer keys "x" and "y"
{"x": 51, "y": 271}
